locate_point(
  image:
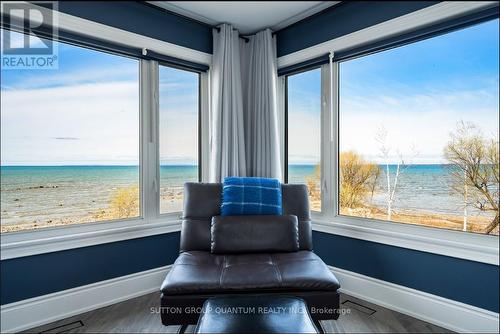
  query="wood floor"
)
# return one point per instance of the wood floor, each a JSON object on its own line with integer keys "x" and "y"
{"x": 138, "y": 316}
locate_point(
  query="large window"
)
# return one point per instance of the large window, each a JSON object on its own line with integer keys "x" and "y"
{"x": 419, "y": 131}
{"x": 304, "y": 132}
{"x": 70, "y": 141}
{"x": 179, "y": 111}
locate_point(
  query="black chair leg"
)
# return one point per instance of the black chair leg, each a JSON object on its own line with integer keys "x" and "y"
{"x": 319, "y": 326}
{"x": 182, "y": 329}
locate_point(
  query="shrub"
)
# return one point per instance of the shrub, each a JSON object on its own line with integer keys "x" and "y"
{"x": 358, "y": 179}
{"x": 125, "y": 202}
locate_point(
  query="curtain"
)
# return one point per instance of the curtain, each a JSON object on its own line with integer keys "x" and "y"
{"x": 259, "y": 74}
{"x": 227, "y": 156}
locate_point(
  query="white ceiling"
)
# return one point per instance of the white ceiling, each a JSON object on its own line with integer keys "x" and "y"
{"x": 246, "y": 16}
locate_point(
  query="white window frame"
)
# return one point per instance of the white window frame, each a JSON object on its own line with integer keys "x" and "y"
{"x": 202, "y": 122}
{"x": 150, "y": 222}
{"x": 458, "y": 244}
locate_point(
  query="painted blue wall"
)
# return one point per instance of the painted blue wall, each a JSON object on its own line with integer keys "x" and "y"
{"x": 144, "y": 20}
{"x": 340, "y": 20}
{"x": 469, "y": 282}
{"x": 465, "y": 281}
{"x": 37, "y": 275}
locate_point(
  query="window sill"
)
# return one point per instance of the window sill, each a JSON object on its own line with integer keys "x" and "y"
{"x": 463, "y": 245}
{"x": 19, "y": 244}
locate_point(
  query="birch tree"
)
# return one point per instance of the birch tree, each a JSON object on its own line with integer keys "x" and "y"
{"x": 401, "y": 167}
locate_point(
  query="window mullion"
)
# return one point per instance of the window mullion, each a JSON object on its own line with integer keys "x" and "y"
{"x": 204, "y": 127}
{"x": 149, "y": 135}
{"x": 327, "y": 169}
{"x": 334, "y": 141}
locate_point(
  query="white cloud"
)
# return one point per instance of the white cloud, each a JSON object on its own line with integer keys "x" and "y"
{"x": 424, "y": 121}
{"x": 103, "y": 116}
{"x": 304, "y": 137}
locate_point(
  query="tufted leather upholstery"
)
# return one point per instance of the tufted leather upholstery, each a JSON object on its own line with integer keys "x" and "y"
{"x": 198, "y": 274}
{"x": 203, "y": 272}
{"x": 202, "y": 201}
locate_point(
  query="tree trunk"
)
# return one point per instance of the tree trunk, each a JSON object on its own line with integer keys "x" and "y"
{"x": 492, "y": 225}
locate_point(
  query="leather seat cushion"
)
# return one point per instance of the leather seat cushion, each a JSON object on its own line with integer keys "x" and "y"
{"x": 200, "y": 272}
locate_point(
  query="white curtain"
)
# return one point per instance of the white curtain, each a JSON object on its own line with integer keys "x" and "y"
{"x": 259, "y": 74}
{"x": 245, "y": 138}
{"x": 227, "y": 119}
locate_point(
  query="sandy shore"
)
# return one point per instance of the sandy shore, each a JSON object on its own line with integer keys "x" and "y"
{"x": 171, "y": 201}
{"x": 454, "y": 222}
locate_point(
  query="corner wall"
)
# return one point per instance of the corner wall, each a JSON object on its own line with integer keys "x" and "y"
{"x": 37, "y": 275}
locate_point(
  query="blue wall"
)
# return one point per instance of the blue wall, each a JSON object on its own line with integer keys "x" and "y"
{"x": 340, "y": 20}
{"x": 144, "y": 20}
{"x": 36, "y": 275}
{"x": 465, "y": 281}
{"x": 469, "y": 282}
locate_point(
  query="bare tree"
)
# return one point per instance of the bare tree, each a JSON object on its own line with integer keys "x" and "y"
{"x": 401, "y": 166}
{"x": 476, "y": 159}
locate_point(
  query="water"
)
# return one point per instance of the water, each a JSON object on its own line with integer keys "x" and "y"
{"x": 30, "y": 193}
{"x": 420, "y": 188}
{"x": 42, "y": 193}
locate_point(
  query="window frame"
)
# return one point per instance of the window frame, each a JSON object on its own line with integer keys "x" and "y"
{"x": 464, "y": 245}
{"x": 156, "y": 111}
{"x": 150, "y": 221}
{"x": 323, "y": 133}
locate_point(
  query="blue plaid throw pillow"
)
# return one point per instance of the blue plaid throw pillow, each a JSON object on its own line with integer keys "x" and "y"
{"x": 251, "y": 196}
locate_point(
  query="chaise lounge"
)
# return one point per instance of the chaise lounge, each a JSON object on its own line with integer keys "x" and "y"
{"x": 269, "y": 263}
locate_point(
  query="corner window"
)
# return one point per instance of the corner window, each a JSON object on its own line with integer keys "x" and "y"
{"x": 304, "y": 133}
{"x": 70, "y": 141}
{"x": 419, "y": 130}
{"x": 178, "y": 124}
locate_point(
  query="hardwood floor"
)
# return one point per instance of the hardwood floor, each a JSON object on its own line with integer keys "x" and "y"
{"x": 138, "y": 316}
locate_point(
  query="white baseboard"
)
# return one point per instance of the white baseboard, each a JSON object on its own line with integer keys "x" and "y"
{"x": 437, "y": 310}
{"x": 447, "y": 313}
{"x": 45, "y": 309}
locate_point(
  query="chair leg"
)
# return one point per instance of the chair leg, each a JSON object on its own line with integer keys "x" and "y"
{"x": 319, "y": 326}
{"x": 182, "y": 329}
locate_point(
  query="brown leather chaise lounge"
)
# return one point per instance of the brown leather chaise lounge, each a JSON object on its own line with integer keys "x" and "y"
{"x": 199, "y": 274}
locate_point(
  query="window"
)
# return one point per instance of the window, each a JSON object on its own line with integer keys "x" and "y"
{"x": 70, "y": 141}
{"x": 304, "y": 132}
{"x": 419, "y": 131}
{"x": 179, "y": 111}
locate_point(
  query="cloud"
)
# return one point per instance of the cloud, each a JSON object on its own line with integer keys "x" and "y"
{"x": 304, "y": 137}
{"x": 422, "y": 120}
{"x": 104, "y": 117}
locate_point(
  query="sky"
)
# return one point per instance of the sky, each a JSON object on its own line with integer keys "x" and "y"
{"x": 87, "y": 111}
{"x": 418, "y": 93}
